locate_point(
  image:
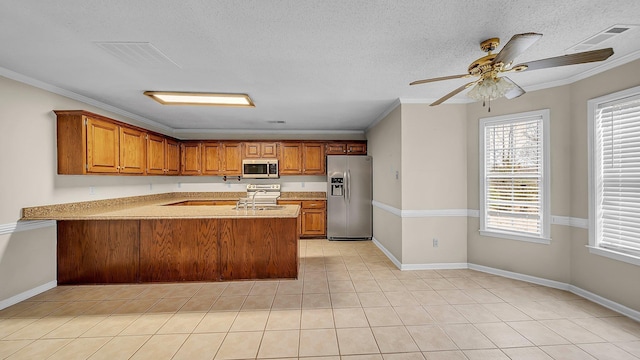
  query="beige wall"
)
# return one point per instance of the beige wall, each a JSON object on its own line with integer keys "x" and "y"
{"x": 434, "y": 179}
{"x": 614, "y": 280}
{"x": 550, "y": 261}
{"x": 566, "y": 259}
{"x": 384, "y": 145}
{"x": 434, "y": 158}
{"x": 412, "y": 140}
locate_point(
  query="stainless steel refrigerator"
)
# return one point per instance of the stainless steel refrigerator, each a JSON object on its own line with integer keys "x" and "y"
{"x": 349, "y": 195}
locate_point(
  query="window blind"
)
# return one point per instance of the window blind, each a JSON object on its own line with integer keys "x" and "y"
{"x": 618, "y": 175}
{"x": 514, "y": 176}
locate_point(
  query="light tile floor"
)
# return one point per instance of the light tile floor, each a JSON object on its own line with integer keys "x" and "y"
{"x": 350, "y": 302}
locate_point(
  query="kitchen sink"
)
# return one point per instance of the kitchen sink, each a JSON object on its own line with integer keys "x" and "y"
{"x": 260, "y": 207}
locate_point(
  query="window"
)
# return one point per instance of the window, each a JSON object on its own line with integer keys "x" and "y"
{"x": 514, "y": 176}
{"x": 614, "y": 175}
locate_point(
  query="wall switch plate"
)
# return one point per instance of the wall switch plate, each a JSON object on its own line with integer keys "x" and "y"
{"x": 397, "y": 175}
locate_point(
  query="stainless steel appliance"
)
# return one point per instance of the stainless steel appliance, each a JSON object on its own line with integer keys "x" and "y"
{"x": 349, "y": 195}
{"x": 260, "y": 169}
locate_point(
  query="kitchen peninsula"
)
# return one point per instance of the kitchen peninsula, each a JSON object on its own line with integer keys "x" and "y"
{"x": 172, "y": 237}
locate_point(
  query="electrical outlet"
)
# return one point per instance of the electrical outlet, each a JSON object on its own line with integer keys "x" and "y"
{"x": 92, "y": 190}
{"x": 179, "y": 185}
{"x": 435, "y": 242}
{"x": 150, "y": 187}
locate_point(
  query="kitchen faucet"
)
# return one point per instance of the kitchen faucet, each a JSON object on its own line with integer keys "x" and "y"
{"x": 253, "y": 198}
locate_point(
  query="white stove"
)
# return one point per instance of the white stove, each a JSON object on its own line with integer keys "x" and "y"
{"x": 264, "y": 194}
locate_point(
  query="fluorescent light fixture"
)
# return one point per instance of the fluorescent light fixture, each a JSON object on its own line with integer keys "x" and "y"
{"x": 191, "y": 98}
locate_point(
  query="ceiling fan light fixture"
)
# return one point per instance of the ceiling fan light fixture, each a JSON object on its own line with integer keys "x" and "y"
{"x": 490, "y": 88}
{"x": 193, "y": 98}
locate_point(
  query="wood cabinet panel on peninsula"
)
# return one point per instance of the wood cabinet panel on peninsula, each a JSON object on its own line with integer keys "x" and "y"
{"x": 171, "y": 250}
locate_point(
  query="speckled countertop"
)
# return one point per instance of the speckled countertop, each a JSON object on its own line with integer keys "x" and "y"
{"x": 154, "y": 207}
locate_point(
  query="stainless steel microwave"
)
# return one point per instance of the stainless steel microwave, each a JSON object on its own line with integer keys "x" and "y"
{"x": 260, "y": 169}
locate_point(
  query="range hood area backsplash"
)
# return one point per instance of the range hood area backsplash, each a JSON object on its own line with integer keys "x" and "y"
{"x": 309, "y": 183}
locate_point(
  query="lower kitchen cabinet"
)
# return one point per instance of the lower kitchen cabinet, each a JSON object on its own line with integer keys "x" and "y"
{"x": 312, "y": 222}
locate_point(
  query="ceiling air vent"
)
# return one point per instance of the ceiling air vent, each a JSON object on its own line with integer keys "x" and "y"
{"x": 601, "y": 37}
{"x": 138, "y": 54}
{"x": 276, "y": 121}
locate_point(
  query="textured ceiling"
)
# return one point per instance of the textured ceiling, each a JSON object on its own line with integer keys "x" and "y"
{"x": 317, "y": 65}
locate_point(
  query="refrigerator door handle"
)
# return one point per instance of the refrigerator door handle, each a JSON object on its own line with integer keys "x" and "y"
{"x": 349, "y": 186}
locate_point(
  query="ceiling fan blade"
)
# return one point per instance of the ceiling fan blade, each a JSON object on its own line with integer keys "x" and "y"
{"x": 516, "y": 46}
{"x": 571, "y": 59}
{"x": 417, "y": 82}
{"x": 454, "y": 92}
{"x": 515, "y": 92}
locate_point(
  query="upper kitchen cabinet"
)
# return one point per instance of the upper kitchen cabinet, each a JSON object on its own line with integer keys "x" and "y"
{"x": 260, "y": 150}
{"x": 231, "y": 158}
{"x": 133, "y": 150}
{"x": 290, "y": 162}
{"x": 222, "y": 158}
{"x": 302, "y": 158}
{"x": 211, "y": 158}
{"x": 313, "y": 159}
{"x": 163, "y": 155}
{"x": 347, "y": 148}
{"x": 91, "y": 144}
{"x": 191, "y": 161}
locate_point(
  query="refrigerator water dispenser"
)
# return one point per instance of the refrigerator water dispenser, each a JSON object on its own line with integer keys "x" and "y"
{"x": 337, "y": 186}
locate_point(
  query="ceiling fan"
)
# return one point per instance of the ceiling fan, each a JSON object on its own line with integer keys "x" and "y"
{"x": 490, "y": 85}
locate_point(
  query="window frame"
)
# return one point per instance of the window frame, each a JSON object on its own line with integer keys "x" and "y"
{"x": 545, "y": 188}
{"x": 593, "y": 169}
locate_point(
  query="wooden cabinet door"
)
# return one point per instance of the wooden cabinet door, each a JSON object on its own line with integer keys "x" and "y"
{"x": 336, "y": 149}
{"x": 313, "y": 159}
{"x": 172, "y": 156}
{"x": 269, "y": 150}
{"x": 357, "y": 149}
{"x": 252, "y": 150}
{"x": 191, "y": 163}
{"x": 314, "y": 215}
{"x": 290, "y": 158}
{"x": 133, "y": 148}
{"x": 313, "y": 222}
{"x": 232, "y": 158}
{"x": 211, "y": 158}
{"x": 103, "y": 151}
{"x": 155, "y": 154}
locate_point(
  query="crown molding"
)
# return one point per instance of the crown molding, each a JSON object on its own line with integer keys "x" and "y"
{"x": 75, "y": 96}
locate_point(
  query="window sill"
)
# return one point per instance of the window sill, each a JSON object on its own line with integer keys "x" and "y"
{"x": 615, "y": 255}
{"x": 518, "y": 237}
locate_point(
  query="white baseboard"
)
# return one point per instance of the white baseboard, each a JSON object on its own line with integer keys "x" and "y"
{"x": 27, "y": 294}
{"x": 612, "y": 305}
{"x": 393, "y": 259}
{"x": 517, "y": 276}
